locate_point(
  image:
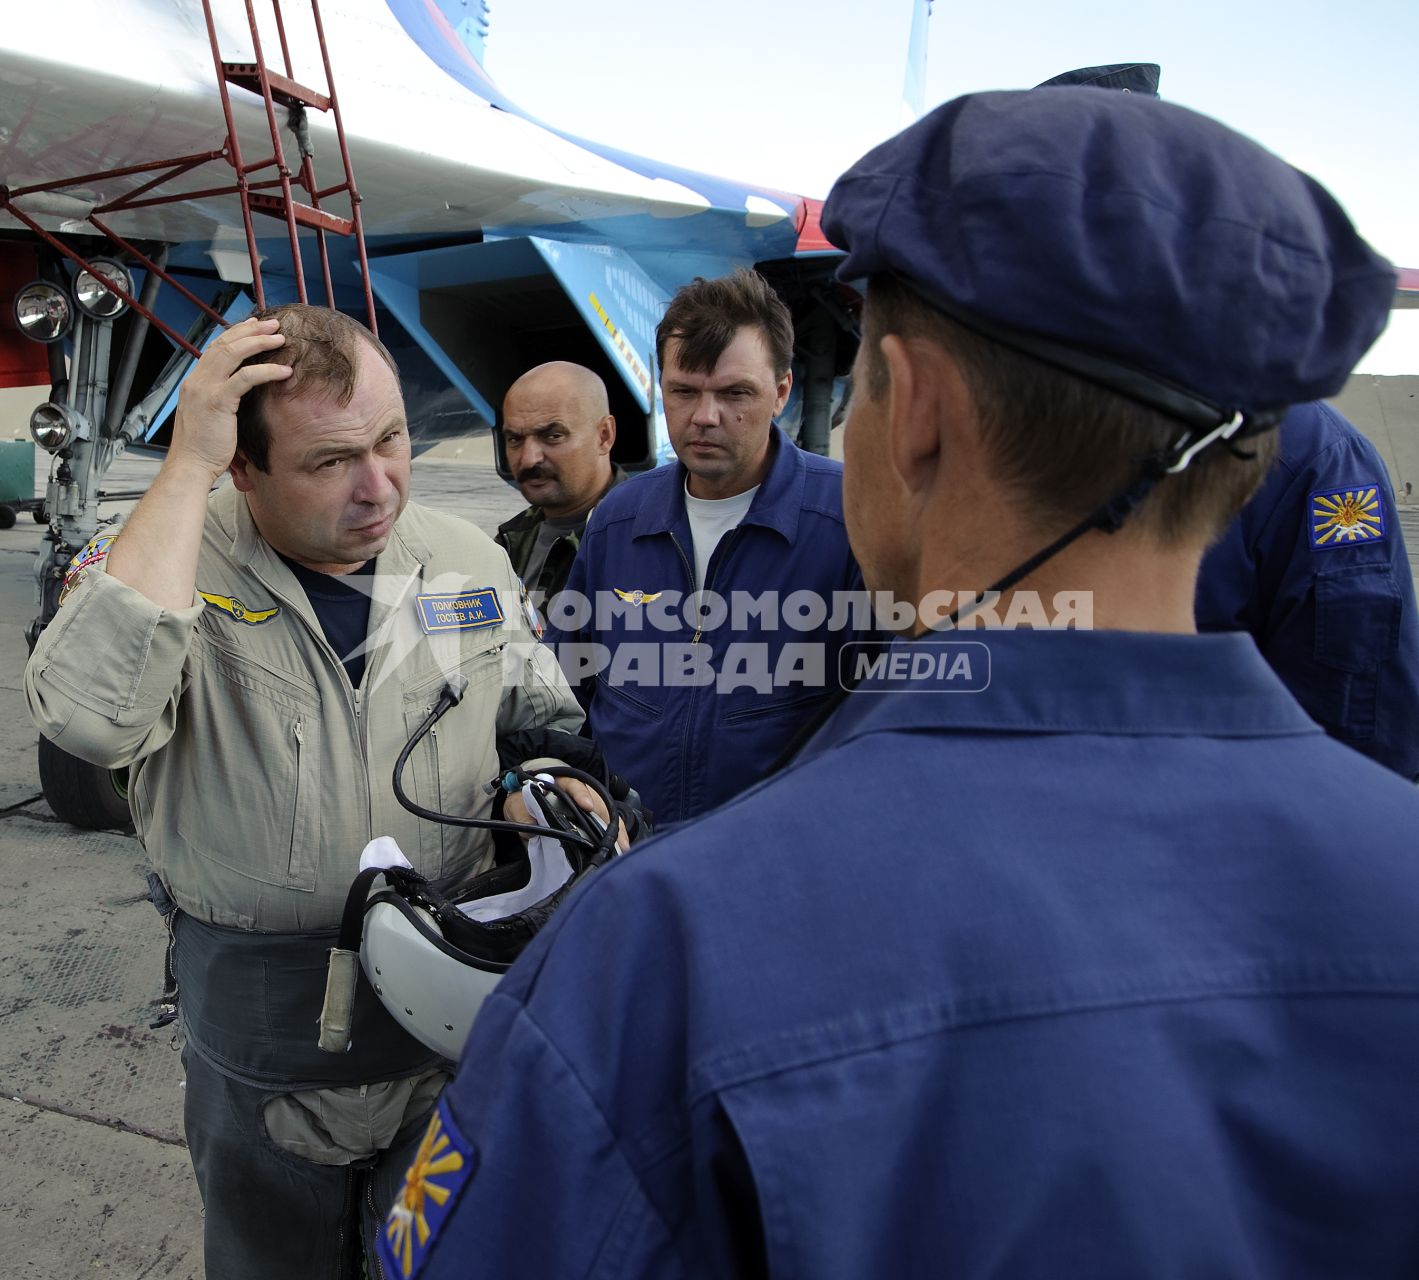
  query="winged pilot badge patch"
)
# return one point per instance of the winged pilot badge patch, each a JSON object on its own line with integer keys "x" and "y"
{"x": 638, "y": 596}
{"x": 231, "y": 605}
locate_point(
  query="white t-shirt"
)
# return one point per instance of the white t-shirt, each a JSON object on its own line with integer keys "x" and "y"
{"x": 710, "y": 520}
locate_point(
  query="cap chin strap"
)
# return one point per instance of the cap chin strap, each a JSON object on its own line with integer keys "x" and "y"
{"x": 1111, "y": 515}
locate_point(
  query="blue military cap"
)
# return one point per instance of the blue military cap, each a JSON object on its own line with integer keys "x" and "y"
{"x": 1129, "y": 240}
{"x": 1131, "y": 77}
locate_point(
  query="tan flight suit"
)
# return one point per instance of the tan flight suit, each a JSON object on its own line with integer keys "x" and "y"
{"x": 258, "y": 773}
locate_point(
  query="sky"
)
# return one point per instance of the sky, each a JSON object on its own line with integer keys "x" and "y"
{"x": 788, "y": 93}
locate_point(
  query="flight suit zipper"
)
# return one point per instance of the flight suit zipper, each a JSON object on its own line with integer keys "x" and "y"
{"x": 298, "y": 732}
{"x": 353, "y": 694}
{"x": 716, "y": 560}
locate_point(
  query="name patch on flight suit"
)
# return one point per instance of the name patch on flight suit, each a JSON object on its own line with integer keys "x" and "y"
{"x": 241, "y": 612}
{"x": 468, "y": 611}
{"x": 1343, "y": 517}
{"x": 441, "y": 1169}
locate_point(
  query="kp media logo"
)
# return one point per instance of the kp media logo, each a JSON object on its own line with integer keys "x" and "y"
{"x": 928, "y": 666}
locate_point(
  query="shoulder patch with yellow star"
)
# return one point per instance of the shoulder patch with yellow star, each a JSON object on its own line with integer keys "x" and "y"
{"x": 638, "y": 596}
{"x": 442, "y": 1167}
{"x": 1344, "y": 517}
{"x": 241, "y": 612}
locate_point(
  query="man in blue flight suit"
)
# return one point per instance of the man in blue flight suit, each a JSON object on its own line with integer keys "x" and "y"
{"x": 1315, "y": 568}
{"x": 1054, "y": 952}
{"x": 717, "y": 593}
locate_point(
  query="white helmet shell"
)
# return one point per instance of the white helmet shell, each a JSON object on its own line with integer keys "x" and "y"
{"x": 432, "y": 990}
{"x": 432, "y": 961}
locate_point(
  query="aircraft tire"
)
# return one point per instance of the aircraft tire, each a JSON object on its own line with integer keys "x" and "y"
{"x": 7, "y": 516}
{"x": 83, "y": 794}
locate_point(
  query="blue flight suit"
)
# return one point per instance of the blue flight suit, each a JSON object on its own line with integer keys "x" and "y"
{"x": 688, "y": 738}
{"x": 1329, "y": 603}
{"x": 1108, "y": 970}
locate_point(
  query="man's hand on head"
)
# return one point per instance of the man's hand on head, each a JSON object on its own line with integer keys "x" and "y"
{"x": 205, "y": 427}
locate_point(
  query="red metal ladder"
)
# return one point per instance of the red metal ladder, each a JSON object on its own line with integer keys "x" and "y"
{"x": 256, "y": 196}
{"x": 272, "y": 88}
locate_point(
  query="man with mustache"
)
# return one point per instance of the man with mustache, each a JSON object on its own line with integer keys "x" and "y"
{"x": 557, "y": 435}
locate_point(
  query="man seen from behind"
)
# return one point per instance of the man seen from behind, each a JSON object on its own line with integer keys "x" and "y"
{"x": 1054, "y": 952}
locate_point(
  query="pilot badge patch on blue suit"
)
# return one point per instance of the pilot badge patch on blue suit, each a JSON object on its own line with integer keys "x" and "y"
{"x": 1341, "y": 517}
{"x": 441, "y": 1169}
{"x": 638, "y": 596}
{"x": 465, "y": 611}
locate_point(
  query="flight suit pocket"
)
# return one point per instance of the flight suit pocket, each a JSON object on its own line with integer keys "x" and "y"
{"x": 446, "y": 770}
{"x": 635, "y": 701}
{"x": 260, "y": 770}
{"x": 1357, "y": 617}
{"x": 1358, "y": 613}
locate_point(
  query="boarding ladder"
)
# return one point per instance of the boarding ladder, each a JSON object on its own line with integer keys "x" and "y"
{"x": 273, "y": 196}
{"x": 275, "y": 88}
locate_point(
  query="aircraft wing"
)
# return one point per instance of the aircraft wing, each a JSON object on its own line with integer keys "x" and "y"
{"x": 443, "y": 163}
{"x": 127, "y": 81}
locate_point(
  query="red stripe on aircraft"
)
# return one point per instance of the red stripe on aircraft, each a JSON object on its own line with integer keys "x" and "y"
{"x": 461, "y": 50}
{"x": 808, "y": 218}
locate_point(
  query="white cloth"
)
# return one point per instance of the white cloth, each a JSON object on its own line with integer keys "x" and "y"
{"x": 550, "y": 871}
{"x": 383, "y": 851}
{"x": 550, "y": 868}
{"x": 710, "y": 520}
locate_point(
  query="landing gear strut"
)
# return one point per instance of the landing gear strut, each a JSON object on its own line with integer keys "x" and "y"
{"x": 84, "y": 428}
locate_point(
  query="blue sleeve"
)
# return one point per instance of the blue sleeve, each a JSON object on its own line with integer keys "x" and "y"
{"x": 521, "y": 1174}
{"x": 1330, "y": 604}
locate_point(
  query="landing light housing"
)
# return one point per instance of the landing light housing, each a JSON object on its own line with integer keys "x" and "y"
{"x": 43, "y": 312}
{"x": 54, "y": 426}
{"x": 93, "y": 296}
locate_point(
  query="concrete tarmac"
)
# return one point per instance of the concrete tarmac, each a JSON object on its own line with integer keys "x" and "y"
{"x": 98, "y": 1181}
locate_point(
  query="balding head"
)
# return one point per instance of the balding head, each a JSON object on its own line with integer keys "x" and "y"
{"x": 557, "y": 433}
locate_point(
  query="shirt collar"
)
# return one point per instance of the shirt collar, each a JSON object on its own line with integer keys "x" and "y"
{"x": 1094, "y": 682}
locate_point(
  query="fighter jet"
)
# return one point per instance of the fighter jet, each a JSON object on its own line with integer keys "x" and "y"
{"x": 166, "y": 165}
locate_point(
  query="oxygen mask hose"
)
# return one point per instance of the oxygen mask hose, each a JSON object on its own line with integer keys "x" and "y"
{"x": 450, "y": 696}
